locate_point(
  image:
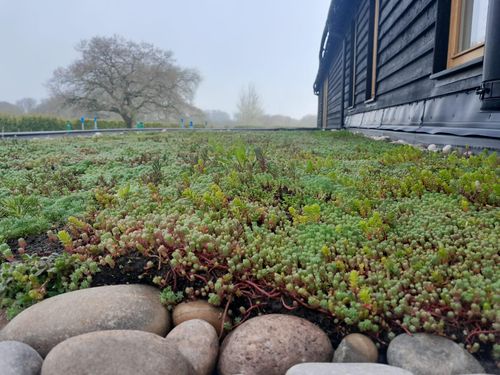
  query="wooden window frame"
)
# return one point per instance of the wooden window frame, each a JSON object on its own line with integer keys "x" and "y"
{"x": 455, "y": 57}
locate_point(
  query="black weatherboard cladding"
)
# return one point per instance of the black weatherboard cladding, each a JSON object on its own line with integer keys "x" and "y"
{"x": 414, "y": 91}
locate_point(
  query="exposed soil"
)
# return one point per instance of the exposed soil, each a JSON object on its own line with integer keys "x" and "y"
{"x": 39, "y": 245}
{"x": 127, "y": 270}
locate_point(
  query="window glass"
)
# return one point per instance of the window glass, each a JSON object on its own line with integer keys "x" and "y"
{"x": 473, "y": 25}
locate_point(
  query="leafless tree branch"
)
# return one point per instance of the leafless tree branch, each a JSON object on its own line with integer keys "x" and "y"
{"x": 124, "y": 77}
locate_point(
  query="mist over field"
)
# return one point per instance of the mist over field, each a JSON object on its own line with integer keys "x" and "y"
{"x": 260, "y": 48}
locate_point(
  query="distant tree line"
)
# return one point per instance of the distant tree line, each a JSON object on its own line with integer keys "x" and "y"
{"x": 117, "y": 79}
{"x": 120, "y": 80}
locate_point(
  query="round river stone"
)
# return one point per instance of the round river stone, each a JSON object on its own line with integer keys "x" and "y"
{"x": 116, "y": 352}
{"x": 424, "y": 354}
{"x": 17, "y": 358}
{"x": 271, "y": 344}
{"x": 198, "y": 342}
{"x": 356, "y": 348}
{"x": 345, "y": 369}
{"x": 199, "y": 309}
{"x": 44, "y": 325}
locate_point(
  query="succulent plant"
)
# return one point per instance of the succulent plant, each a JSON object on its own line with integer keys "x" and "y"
{"x": 383, "y": 238}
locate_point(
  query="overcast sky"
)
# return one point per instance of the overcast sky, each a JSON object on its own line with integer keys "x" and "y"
{"x": 272, "y": 43}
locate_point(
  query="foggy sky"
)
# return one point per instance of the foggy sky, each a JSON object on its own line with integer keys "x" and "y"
{"x": 272, "y": 43}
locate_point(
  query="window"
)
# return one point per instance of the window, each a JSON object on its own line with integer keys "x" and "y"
{"x": 371, "y": 81}
{"x": 467, "y": 31}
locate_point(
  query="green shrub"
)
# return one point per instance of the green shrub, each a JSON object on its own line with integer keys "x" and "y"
{"x": 31, "y": 123}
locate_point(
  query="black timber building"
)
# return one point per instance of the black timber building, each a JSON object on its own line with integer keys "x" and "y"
{"x": 421, "y": 70}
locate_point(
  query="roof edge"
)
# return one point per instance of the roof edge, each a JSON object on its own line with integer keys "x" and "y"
{"x": 331, "y": 33}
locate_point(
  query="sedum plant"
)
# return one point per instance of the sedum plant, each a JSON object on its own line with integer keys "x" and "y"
{"x": 382, "y": 238}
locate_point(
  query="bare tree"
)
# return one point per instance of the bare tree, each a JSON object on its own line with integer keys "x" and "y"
{"x": 27, "y": 105}
{"x": 124, "y": 77}
{"x": 250, "y": 111}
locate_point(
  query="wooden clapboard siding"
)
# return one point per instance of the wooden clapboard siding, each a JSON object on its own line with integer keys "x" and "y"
{"x": 411, "y": 56}
{"x": 363, "y": 22}
{"x": 335, "y": 94}
{"x": 348, "y": 68}
{"x": 406, "y": 44}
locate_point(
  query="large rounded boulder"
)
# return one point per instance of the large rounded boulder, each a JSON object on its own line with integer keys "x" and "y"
{"x": 44, "y": 325}
{"x": 116, "y": 352}
{"x": 198, "y": 342}
{"x": 424, "y": 354}
{"x": 356, "y": 348}
{"x": 345, "y": 369}
{"x": 199, "y": 309}
{"x": 271, "y": 344}
{"x": 17, "y": 358}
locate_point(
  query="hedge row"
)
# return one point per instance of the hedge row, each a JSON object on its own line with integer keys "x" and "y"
{"x": 44, "y": 123}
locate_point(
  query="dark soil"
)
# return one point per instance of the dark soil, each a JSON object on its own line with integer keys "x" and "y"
{"x": 131, "y": 269}
{"x": 127, "y": 270}
{"x": 39, "y": 245}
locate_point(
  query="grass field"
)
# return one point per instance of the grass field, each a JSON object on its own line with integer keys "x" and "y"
{"x": 383, "y": 238}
